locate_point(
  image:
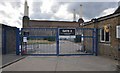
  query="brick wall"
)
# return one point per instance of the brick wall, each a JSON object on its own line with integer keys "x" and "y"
{"x": 52, "y": 24}
{"x": 27, "y": 23}
{"x": 88, "y": 42}
{"x": 110, "y": 49}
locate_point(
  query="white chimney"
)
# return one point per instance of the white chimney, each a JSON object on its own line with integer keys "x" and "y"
{"x": 74, "y": 15}
{"x": 26, "y": 9}
{"x": 119, "y": 3}
{"x": 80, "y": 16}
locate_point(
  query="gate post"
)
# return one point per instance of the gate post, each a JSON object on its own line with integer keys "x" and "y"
{"x": 17, "y": 41}
{"x": 57, "y": 41}
{"x": 96, "y": 41}
{"x": 4, "y": 40}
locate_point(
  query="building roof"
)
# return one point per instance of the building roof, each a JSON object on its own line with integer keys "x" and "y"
{"x": 115, "y": 14}
{"x": 54, "y": 21}
{"x": 7, "y": 25}
{"x": 117, "y": 11}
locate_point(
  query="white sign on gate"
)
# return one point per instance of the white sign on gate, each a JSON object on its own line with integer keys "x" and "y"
{"x": 24, "y": 39}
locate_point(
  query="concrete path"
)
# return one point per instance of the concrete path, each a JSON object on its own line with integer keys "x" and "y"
{"x": 63, "y": 63}
{"x": 10, "y": 58}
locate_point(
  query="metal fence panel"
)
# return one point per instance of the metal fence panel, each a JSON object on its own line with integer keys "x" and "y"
{"x": 82, "y": 43}
{"x": 49, "y": 41}
{"x": 39, "y": 41}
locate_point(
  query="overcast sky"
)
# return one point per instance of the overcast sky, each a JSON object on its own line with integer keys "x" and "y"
{"x": 12, "y": 11}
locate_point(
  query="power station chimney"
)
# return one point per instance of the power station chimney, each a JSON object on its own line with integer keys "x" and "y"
{"x": 26, "y": 19}
{"x": 74, "y": 16}
{"x": 26, "y": 9}
{"x": 80, "y": 16}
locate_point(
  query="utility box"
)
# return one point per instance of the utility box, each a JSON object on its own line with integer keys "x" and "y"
{"x": 118, "y": 32}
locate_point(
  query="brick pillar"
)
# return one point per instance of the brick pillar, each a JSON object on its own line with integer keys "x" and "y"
{"x": 25, "y": 22}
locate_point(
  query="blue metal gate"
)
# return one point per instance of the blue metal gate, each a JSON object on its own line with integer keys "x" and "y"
{"x": 39, "y": 41}
{"x": 81, "y": 42}
{"x": 50, "y": 42}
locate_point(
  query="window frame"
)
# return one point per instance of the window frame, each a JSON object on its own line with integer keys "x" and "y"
{"x": 101, "y": 35}
{"x": 104, "y": 41}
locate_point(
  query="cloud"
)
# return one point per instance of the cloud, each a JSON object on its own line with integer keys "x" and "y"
{"x": 38, "y": 13}
{"x": 15, "y": 4}
{"x": 11, "y": 12}
{"x": 107, "y": 12}
{"x": 5, "y": 14}
{"x": 44, "y": 10}
{"x": 64, "y": 10}
{"x": 91, "y": 9}
{"x": 63, "y": 14}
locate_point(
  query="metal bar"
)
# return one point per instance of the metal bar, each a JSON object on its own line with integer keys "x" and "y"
{"x": 57, "y": 39}
{"x": 4, "y": 40}
{"x": 96, "y": 41}
{"x": 73, "y": 54}
{"x": 38, "y": 36}
{"x": 37, "y": 28}
{"x": 93, "y": 42}
{"x": 17, "y": 41}
{"x": 85, "y": 28}
{"x": 41, "y": 54}
{"x": 57, "y": 55}
{"x": 54, "y": 36}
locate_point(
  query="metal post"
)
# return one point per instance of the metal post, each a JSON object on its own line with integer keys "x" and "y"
{"x": 95, "y": 38}
{"x": 57, "y": 41}
{"x": 96, "y": 41}
{"x": 93, "y": 51}
{"x": 4, "y": 50}
{"x": 118, "y": 66}
{"x": 82, "y": 30}
{"x": 17, "y": 41}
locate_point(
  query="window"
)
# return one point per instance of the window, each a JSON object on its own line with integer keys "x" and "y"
{"x": 107, "y": 38}
{"x": 104, "y": 36}
{"x": 26, "y": 33}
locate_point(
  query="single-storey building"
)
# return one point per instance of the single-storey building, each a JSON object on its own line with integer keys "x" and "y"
{"x": 108, "y": 44}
